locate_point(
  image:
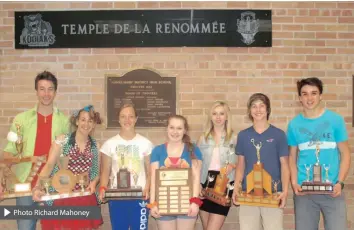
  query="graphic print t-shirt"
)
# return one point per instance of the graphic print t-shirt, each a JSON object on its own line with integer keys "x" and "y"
{"x": 133, "y": 151}
{"x": 325, "y": 131}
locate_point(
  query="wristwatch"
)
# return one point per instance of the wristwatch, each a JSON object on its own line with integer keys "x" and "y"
{"x": 341, "y": 183}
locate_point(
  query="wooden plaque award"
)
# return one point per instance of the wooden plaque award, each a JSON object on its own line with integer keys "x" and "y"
{"x": 124, "y": 190}
{"x": 259, "y": 186}
{"x": 64, "y": 182}
{"x": 317, "y": 185}
{"x": 173, "y": 190}
{"x": 12, "y": 187}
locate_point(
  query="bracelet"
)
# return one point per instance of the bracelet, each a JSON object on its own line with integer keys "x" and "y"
{"x": 196, "y": 200}
{"x": 151, "y": 205}
{"x": 104, "y": 188}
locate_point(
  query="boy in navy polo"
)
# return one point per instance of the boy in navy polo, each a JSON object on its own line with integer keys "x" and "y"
{"x": 274, "y": 156}
{"x": 325, "y": 130}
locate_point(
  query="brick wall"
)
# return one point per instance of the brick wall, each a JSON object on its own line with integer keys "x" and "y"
{"x": 310, "y": 39}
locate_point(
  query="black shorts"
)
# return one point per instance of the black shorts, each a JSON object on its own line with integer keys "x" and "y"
{"x": 210, "y": 206}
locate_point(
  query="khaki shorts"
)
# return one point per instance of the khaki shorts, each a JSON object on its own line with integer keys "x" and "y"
{"x": 253, "y": 218}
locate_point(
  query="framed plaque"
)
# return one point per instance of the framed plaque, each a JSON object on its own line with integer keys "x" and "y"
{"x": 153, "y": 96}
{"x": 174, "y": 188}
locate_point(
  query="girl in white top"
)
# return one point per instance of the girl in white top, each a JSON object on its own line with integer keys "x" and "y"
{"x": 136, "y": 150}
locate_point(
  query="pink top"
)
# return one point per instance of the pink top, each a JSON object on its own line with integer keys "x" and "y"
{"x": 215, "y": 160}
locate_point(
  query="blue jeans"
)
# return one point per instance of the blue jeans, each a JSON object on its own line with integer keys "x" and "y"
{"x": 309, "y": 207}
{"x": 128, "y": 213}
{"x": 26, "y": 224}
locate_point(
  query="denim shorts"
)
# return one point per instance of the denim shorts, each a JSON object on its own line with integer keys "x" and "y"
{"x": 167, "y": 218}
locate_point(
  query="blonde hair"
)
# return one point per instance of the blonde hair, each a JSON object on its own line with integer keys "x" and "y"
{"x": 209, "y": 127}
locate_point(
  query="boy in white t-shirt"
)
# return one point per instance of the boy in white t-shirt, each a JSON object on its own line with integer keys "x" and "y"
{"x": 136, "y": 150}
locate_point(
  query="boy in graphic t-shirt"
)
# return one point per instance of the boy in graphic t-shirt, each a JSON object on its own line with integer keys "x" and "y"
{"x": 322, "y": 129}
{"x": 274, "y": 156}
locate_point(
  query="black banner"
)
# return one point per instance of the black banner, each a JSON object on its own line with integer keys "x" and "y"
{"x": 143, "y": 28}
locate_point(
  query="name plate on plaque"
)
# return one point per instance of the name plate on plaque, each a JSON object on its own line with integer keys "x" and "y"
{"x": 173, "y": 190}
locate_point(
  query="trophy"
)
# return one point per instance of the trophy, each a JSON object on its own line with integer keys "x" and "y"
{"x": 275, "y": 187}
{"x": 317, "y": 185}
{"x": 220, "y": 192}
{"x": 17, "y": 139}
{"x": 124, "y": 189}
{"x": 45, "y": 183}
{"x": 64, "y": 183}
{"x": 12, "y": 186}
{"x": 259, "y": 191}
{"x": 173, "y": 188}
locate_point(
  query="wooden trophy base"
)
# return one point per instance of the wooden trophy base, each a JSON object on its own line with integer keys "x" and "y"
{"x": 133, "y": 193}
{"x": 64, "y": 195}
{"x": 11, "y": 195}
{"x": 269, "y": 201}
{"x": 209, "y": 194}
{"x": 316, "y": 188}
{"x": 20, "y": 190}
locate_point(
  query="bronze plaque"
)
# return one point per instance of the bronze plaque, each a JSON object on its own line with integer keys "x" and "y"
{"x": 174, "y": 188}
{"x": 154, "y": 97}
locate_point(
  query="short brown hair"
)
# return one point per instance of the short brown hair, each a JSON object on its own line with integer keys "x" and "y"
{"x": 127, "y": 105}
{"x": 46, "y": 75}
{"x": 258, "y": 97}
{"x": 313, "y": 81}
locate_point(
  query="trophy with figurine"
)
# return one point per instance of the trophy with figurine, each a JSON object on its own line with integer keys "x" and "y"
{"x": 318, "y": 184}
{"x": 220, "y": 192}
{"x": 12, "y": 186}
{"x": 64, "y": 182}
{"x": 120, "y": 186}
{"x": 261, "y": 189}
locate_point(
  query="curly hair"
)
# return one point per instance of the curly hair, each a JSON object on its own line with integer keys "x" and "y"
{"x": 95, "y": 116}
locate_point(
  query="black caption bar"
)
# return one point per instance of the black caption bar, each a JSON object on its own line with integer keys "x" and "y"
{"x": 50, "y": 212}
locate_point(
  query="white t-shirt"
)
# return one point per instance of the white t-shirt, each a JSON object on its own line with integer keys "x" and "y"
{"x": 134, "y": 152}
